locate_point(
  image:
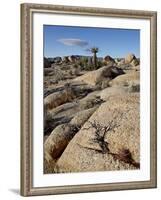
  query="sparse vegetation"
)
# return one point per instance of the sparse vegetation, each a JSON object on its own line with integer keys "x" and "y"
{"x": 100, "y": 132}
{"x": 86, "y": 63}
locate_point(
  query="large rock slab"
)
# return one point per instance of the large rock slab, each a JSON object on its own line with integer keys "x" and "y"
{"x": 70, "y": 109}
{"x": 133, "y": 86}
{"x": 84, "y": 152}
{"x": 81, "y": 117}
{"x": 112, "y": 91}
{"x": 82, "y": 159}
{"x": 65, "y": 112}
{"x": 57, "y": 98}
{"x": 57, "y": 141}
{"x": 125, "y": 79}
{"x": 99, "y": 75}
{"x": 62, "y": 134}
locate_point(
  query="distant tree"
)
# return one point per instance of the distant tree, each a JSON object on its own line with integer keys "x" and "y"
{"x": 94, "y": 50}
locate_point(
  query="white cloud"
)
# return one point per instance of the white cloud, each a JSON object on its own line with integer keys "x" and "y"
{"x": 73, "y": 42}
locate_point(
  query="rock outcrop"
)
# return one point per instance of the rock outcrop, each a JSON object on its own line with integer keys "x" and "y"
{"x": 48, "y": 71}
{"x": 85, "y": 153}
{"x": 57, "y": 60}
{"x": 125, "y": 79}
{"x": 99, "y": 75}
{"x": 57, "y": 141}
{"x": 65, "y": 59}
{"x": 112, "y": 91}
{"x": 72, "y": 58}
{"x": 57, "y": 98}
{"x": 62, "y": 134}
{"x": 47, "y": 64}
{"x": 130, "y": 58}
{"x": 67, "y": 111}
{"x": 108, "y": 59}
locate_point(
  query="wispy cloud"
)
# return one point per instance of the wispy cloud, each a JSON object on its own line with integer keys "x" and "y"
{"x": 73, "y": 42}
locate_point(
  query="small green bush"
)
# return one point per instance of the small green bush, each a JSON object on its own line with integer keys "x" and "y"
{"x": 99, "y": 64}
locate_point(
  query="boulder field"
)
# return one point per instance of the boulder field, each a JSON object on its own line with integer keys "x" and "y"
{"x": 92, "y": 117}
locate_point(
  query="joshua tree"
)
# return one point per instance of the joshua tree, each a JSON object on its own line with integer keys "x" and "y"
{"x": 94, "y": 50}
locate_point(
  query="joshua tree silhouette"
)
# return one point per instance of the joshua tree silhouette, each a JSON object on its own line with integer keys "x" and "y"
{"x": 94, "y": 50}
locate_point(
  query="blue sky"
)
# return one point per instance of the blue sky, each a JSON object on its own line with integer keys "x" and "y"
{"x": 68, "y": 40}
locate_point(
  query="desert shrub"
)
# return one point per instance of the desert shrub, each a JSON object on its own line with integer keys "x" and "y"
{"x": 100, "y": 133}
{"x": 89, "y": 67}
{"x": 99, "y": 64}
{"x": 83, "y": 62}
{"x": 86, "y": 64}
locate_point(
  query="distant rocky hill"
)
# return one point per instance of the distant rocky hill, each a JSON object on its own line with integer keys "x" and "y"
{"x": 74, "y": 58}
{"x": 70, "y": 58}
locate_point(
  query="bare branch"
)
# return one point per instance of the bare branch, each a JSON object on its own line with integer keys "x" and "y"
{"x": 100, "y": 132}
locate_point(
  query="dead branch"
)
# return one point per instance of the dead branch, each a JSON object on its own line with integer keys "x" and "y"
{"x": 124, "y": 155}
